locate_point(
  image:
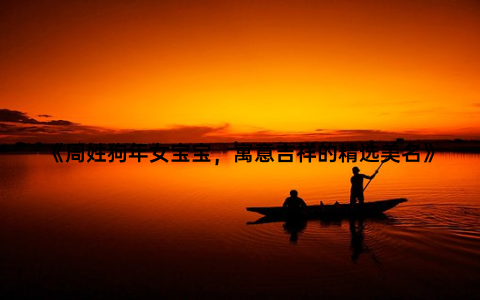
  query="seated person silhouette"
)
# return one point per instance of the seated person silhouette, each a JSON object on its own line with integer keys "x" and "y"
{"x": 356, "y": 192}
{"x": 294, "y": 204}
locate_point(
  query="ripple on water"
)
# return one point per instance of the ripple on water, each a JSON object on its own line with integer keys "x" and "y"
{"x": 429, "y": 232}
{"x": 464, "y": 220}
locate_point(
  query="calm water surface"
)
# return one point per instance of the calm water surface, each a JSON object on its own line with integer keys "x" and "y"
{"x": 180, "y": 230}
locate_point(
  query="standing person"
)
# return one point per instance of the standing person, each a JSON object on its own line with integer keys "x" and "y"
{"x": 356, "y": 192}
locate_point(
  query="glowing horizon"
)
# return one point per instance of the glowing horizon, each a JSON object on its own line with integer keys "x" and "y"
{"x": 233, "y": 71}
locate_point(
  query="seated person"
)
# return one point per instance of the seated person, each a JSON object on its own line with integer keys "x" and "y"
{"x": 294, "y": 203}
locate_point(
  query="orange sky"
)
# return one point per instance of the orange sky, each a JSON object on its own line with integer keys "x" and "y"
{"x": 243, "y": 68}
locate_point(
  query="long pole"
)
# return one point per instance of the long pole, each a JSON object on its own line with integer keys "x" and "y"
{"x": 372, "y": 178}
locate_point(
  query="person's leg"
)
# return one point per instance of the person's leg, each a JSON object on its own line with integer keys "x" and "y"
{"x": 360, "y": 198}
{"x": 352, "y": 198}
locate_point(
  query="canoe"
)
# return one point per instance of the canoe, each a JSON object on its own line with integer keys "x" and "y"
{"x": 331, "y": 211}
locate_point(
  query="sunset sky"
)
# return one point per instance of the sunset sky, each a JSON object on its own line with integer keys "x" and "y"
{"x": 188, "y": 71}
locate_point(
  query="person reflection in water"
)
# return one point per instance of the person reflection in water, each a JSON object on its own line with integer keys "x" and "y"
{"x": 294, "y": 204}
{"x": 294, "y": 226}
{"x": 356, "y": 243}
{"x": 356, "y": 192}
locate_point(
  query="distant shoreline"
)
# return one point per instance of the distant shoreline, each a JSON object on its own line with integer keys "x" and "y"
{"x": 456, "y": 145}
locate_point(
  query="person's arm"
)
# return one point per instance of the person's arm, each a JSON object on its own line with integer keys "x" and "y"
{"x": 370, "y": 177}
{"x": 285, "y": 203}
{"x": 302, "y": 203}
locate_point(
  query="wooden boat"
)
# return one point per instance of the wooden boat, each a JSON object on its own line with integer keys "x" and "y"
{"x": 330, "y": 211}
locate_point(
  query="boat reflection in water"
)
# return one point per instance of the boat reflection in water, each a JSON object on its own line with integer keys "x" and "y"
{"x": 295, "y": 226}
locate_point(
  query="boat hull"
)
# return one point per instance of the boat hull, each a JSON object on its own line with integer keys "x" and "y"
{"x": 331, "y": 211}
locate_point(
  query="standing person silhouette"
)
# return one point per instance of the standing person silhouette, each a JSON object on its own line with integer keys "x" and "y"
{"x": 356, "y": 192}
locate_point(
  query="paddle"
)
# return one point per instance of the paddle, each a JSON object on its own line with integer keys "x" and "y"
{"x": 372, "y": 178}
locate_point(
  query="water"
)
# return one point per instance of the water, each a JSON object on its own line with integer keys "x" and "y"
{"x": 132, "y": 230}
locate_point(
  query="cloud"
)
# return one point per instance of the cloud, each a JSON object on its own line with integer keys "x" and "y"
{"x": 15, "y": 116}
{"x": 16, "y": 126}
{"x": 346, "y": 135}
{"x": 352, "y": 135}
{"x": 420, "y": 111}
{"x": 44, "y": 116}
{"x": 173, "y": 134}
